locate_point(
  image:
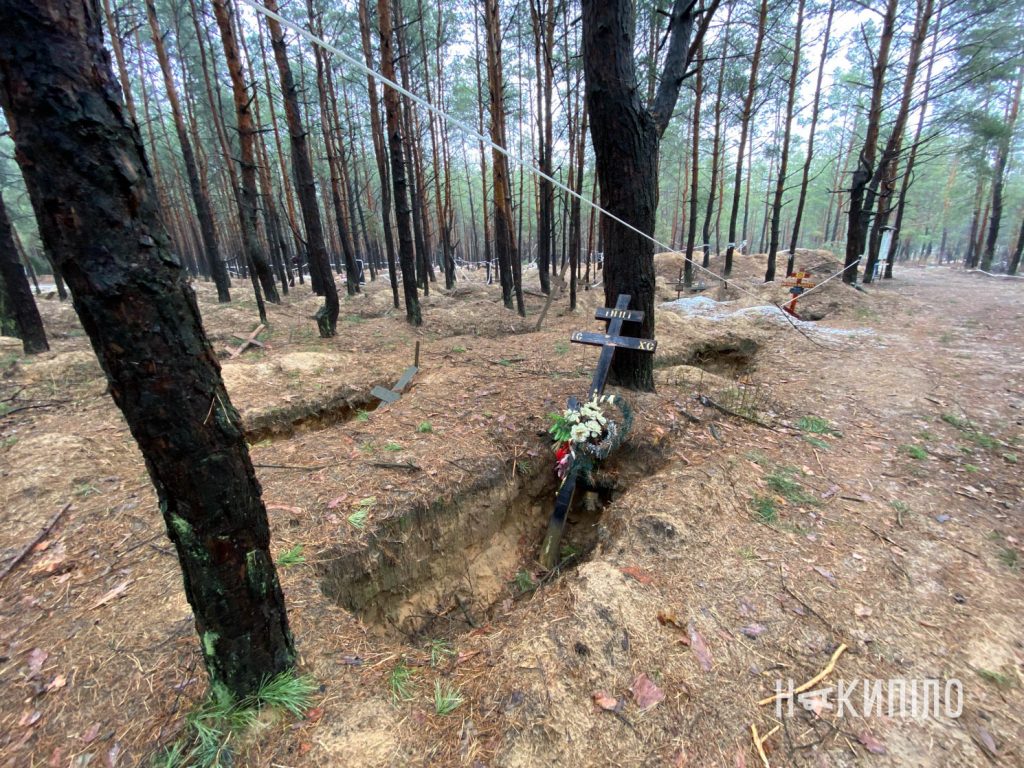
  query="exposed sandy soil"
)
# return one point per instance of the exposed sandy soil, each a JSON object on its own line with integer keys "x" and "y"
{"x": 768, "y": 546}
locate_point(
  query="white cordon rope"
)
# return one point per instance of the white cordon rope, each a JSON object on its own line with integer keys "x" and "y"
{"x": 471, "y": 132}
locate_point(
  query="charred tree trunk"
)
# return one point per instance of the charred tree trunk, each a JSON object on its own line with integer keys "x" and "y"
{"x": 204, "y": 214}
{"x": 305, "y": 183}
{"x": 998, "y": 171}
{"x": 859, "y": 216}
{"x": 504, "y": 232}
{"x": 691, "y": 232}
{"x": 798, "y": 217}
{"x": 379, "y": 150}
{"x": 884, "y": 181}
{"x": 780, "y": 181}
{"x": 392, "y": 107}
{"x": 745, "y": 118}
{"x": 17, "y": 307}
{"x": 626, "y": 135}
{"x": 1014, "y": 264}
{"x": 78, "y": 147}
{"x": 715, "y": 146}
{"x": 248, "y": 196}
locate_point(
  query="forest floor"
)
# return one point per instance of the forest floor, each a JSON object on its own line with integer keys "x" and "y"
{"x": 881, "y": 507}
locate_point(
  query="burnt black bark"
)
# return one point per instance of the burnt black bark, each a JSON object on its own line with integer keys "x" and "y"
{"x": 392, "y": 108}
{"x": 95, "y": 199}
{"x": 17, "y": 307}
{"x": 305, "y": 184}
{"x": 626, "y": 136}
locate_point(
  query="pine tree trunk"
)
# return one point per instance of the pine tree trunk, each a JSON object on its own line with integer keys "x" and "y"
{"x": 799, "y": 215}
{"x": 859, "y": 216}
{"x": 17, "y": 307}
{"x": 392, "y": 108}
{"x": 691, "y": 233}
{"x": 780, "y": 180}
{"x": 998, "y": 172}
{"x": 305, "y": 184}
{"x": 504, "y": 232}
{"x": 884, "y": 181}
{"x": 715, "y": 146}
{"x": 626, "y": 135}
{"x": 77, "y": 147}
{"x": 745, "y": 118}
{"x": 248, "y": 208}
{"x": 379, "y": 150}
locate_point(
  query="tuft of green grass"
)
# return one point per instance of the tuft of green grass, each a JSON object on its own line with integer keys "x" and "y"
{"x": 458, "y": 350}
{"x": 358, "y": 518}
{"x": 1009, "y": 458}
{"x": 972, "y": 468}
{"x": 447, "y": 698}
{"x": 914, "y": 451}
{"x": 8, "y": 442}
{"x": 221, "y": 719}
{"x": 816, "y": 425}
{"x": 85, "y": 489}
{"x": 780, "y": 482}
{"x": 425, "y": 427}
{"x": 748, "y": 553}
{"x": 400, "y": 683}
{"x": 291, "y": 557}
{"x": 816, "y": 442}
{"x": 524, "y": 582}
{"x": 362, "y": 415}
{"x": 971, "y": 431}
{"x": 996, "y": 678}
{"x": 1009, "y": 557}
{"x": 764, "y": 507}
{"x": 561, "y": 348}
{"x": 439, "y": 651}
{"x": 392, "y": 446}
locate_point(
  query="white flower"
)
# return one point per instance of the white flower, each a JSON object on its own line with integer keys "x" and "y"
{"x": 580, "y": 433}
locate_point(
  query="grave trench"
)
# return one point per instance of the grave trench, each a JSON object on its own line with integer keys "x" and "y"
{"x": 441, "y": 569}
{"x": 340, "y": 406}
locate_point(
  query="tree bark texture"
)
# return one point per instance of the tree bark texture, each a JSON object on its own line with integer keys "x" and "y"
{"x": 626, "y": 136}
{"x": 392, "y": 109}
{"x": 93, "y": 193}
{"x": 248, "y": 196}
{"x": 305, "y": 182}
{"x": 16, "y": 302}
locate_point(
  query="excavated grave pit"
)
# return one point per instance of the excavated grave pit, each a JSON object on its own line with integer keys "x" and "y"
{"x": 441, "y": 569}
{"x": 342, "y": 405}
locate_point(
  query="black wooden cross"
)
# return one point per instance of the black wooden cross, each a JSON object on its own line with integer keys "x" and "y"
{"x": 608, "y": 342}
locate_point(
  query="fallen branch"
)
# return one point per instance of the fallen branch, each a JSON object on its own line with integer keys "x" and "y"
{"x": 709, "y": 403}
{"x": 396, "y": 465}
{"x": 759, "y": 743}
{"x": 813, "y": 681}
{"x": 31, "y": 545}
{"x": 290, "y": 466}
